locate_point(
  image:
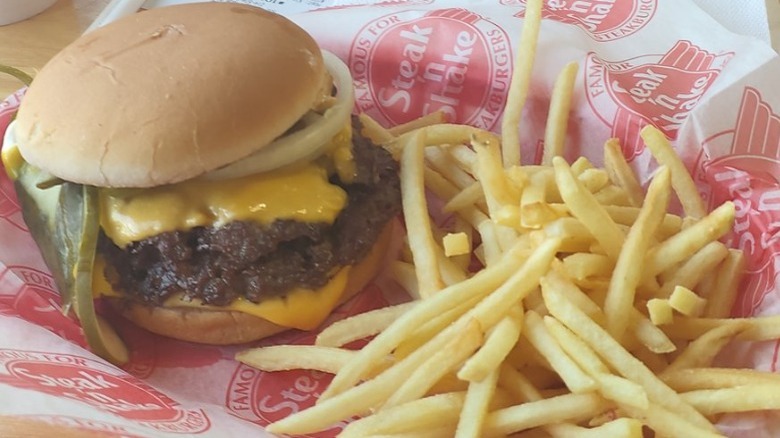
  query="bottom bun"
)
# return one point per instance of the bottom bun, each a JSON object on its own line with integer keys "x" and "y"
{"x": 223, "y": 327}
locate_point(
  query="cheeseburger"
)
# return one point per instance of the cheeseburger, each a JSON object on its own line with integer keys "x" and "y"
{"x": 234, "y": 197}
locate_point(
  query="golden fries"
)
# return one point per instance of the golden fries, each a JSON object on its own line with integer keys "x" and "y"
{"x": 596, "y": 312}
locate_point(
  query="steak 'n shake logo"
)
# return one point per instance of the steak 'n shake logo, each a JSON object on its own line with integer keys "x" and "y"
{"x": 743, "y": 165}
{"x": 405, "y": 65}
{"x": 264, "y": 398}
{"x": 101, "y": 386}
{"x": 658, "y": 90}
{"x": 602, "y": 20}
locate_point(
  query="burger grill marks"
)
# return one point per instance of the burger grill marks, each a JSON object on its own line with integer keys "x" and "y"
{"x": 255, "y": 261}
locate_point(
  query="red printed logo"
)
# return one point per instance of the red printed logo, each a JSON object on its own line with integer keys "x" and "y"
{"x": 264, "y": 398}
{"x": 743, "y": 165}
{"x": 658, "y": 90}
{"x": 38, "y": 301}
{"x": 405, "y": 65}
{"x": 602, "y": 20}
{"x": 101, "y": 386}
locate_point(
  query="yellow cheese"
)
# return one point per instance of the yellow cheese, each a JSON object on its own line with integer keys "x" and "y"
{"x": 302, "y": 193}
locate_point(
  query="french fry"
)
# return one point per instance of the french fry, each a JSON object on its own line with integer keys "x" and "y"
{"x": 535, "y": 331}
{"x": 737, "y": 399}
{"x": 558, "y": 116}
{"x": 618, "y": 358}
{"x": 459, "y": 347}
{"x": 430, "y": 328}
{"x": 760, "y": 328}
{"x": 456, "y": 244}
{"x": 649, "y": 334}
{"x": 667, "y": 422}
{"x": 520, "y": 82}
{"x": 496, "y": 347}
{"x": 464, "y": 156}
{"x": 582, "y": 265}
{"x": 723, "y": 293}
{"x": 703, "y": 350}
{"x": 361, "y": 326}
{"x": 611, "y": 387}
{"x": 691, "y": 379}
{"x": 443, "y": 163}
{"x": 468, "y": 197}
{"x": 612, "y": 196}
{"x": 671, "y": 224}
{"x": 374, "y": 131}
{"x": 695, "y": 268}
{"x": 585, "y": 208}
{"x": 293, "y": 357}
{"x": 517, "y": 384}
{"x": 627, "y": 273}
{"x": 685, "y": 243}
{"x": 660, "y": 311}
{"x": 569, "y": 407}
{"x": 620, "y": 172}
{"x": 594, "y": 180}
{"x": 384, "y": 343}
{"x": 434, "y": 118}
{"x": 416, "y": 217}
{"x": 580, "y": 165}
{"x": 682, "y": 182}
{"x": 620, "y": 427}
{"x": 404, "y": 274}
{"x": 445, "y": 133}
{"x": 475, "y": 407}
{"x": 575, "y": 237}
{"x": 686, "y": 301}
{"x": 425, "y": 413}
{"x": 360, "y": 399}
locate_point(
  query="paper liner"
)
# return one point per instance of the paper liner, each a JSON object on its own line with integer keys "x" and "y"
{"x": 641, "y": 61}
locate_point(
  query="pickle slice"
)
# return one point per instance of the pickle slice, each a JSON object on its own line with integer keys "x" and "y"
{"x": 64, "y": 220}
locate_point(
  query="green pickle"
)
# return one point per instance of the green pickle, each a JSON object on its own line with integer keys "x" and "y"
{"x": 64, "y": 220}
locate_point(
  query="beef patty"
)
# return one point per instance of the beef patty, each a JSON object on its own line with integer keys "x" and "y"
{"x": 256, "y": 261}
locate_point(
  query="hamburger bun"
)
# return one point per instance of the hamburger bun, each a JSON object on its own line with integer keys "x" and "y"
{"x": 203, "y": 94}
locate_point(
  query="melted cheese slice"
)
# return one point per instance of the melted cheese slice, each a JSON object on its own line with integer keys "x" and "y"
{"x": 302, "y": 193}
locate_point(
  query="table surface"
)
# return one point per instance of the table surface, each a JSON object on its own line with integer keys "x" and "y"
{"x": 29, "y": 44}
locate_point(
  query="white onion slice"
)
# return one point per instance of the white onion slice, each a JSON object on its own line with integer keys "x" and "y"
{"x": 307, "y": 143}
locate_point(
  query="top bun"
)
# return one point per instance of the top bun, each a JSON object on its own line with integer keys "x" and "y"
{"x": 168, "y": 94}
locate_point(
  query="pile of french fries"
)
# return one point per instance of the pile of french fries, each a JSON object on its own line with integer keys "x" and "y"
{"x": 595, "y": 311}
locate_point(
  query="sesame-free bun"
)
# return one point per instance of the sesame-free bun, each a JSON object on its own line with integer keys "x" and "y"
{"x": 168, "y": 94}
{"x": 222, "y": 327}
